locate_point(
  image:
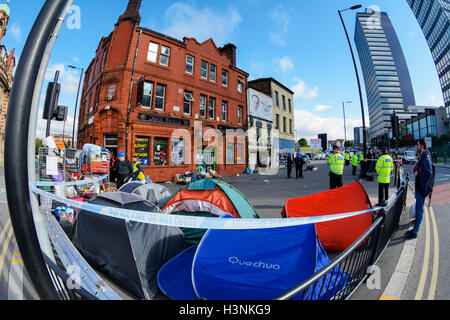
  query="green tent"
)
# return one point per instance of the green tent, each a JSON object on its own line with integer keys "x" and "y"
{"x": 208, "y": 198}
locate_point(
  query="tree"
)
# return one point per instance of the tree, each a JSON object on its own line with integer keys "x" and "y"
{"x": 406, "y": 141}
{"x": 303, "y": 142}
{"x": 443, "y": 139}
{"x": 39, "y": 143}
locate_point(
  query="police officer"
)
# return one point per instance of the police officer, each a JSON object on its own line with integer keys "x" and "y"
{"x": 347, "y": 158}
{"x": 137, "y": 167}
{"x": 384, "y": 167}
{"x": 336, "y": 163}
{"x": 355, "y": 161}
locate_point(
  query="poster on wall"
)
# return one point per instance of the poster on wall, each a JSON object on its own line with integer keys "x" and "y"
{"x": 141, "y": 149}
{"x": 230, "y": 152}
{"x": 177, "y": 152}
{"x": 260, "y": 105}
{"x": 160, "y": 151}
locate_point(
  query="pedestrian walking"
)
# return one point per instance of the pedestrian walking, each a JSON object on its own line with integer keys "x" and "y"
{"x": 124, "y": 169}
{"x": 336, "y": 163}
{"x": 384, "y": 167}
{"x": 423, "y": 179}
{"x": 298, "y": 161}
{"x": 289, "y": 165}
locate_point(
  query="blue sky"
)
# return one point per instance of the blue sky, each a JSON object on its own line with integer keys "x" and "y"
{"x": 301, "y": 43}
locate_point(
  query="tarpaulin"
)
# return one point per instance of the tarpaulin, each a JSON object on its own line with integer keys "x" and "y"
{"x": 334, "y": 235}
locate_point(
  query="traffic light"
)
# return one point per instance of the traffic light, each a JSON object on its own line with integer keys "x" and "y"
{"x": 51, "y": 101}
{"x": 61, "y": 113}
{"x": 395, "y": 126}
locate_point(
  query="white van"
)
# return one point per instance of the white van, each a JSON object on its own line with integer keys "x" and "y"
{"x": 409, "y": 157}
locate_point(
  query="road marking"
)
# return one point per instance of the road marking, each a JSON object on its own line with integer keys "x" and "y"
{"x": 5, "y": 249}
{"x": 434, "y": 275}
{"x": 15, "y": 281}
{"x": 5, "y": 227}
{"x": 426, "y": 257}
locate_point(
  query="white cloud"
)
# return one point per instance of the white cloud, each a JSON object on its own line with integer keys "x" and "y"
{"x": 301, "y": 89}
{"x": 321, "y": 108}
{"x": 69, "y": 78}
{"x": 281, "y": 19}
{"x": 276, "y": 38}
{"x": 309, "y": 125}
{"x": 286, "y": 64}
{"x": 16, "y": 32}
{"x": 184, "y": 20}
{"x": 57, "y": 127}
{"x": 281, "y": 22}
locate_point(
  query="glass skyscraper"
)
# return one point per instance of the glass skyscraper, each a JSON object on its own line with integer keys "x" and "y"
{"x": 434, "y": 19}
{"x": 386, "y": 75}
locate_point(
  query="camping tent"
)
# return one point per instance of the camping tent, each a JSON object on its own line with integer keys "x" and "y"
{"x": 153, "y": 192}
{"x": 334, "y": 235}
{"x": 209, "y": 198}
{"x": 130, "y": 253}
{"x": 250, "y": 265}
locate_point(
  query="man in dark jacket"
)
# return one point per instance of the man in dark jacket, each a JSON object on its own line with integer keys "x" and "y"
{"x": 124, "y": 169}
{"x": 423, "y": 174}
{"x": 298, "y": 161}
{"x": 289, "y": 164}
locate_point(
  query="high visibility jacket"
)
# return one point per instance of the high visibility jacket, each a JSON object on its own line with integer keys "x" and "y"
{"x": 336, "y": 162}
{"x": 361, "y": 157}
{"x": 355, "y": 160}
{"x": 384, "y": 167}
{"x": 347, "y": 156}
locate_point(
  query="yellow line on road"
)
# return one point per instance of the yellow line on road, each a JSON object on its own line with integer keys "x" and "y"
{"x": 5, "y": 249}
{"x": 426, "y": 257}
{"x": 434, "y": 275}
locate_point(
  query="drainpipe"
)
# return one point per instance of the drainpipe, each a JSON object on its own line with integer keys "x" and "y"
{"x": 131, "y": 92}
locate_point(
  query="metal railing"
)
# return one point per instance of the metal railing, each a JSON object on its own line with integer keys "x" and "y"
{"x": 342, "y": 276}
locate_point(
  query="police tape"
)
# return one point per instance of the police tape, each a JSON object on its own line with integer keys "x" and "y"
{"x": 182, "y": 221}
{"x": 72, "y": 183}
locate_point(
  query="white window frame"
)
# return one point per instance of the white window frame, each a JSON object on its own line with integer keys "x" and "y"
{"x": 225, "y": 73}
{"x": 152, "y": 52}
{"x": 224, "y": 111}
{"x": 165, "y": 52}
{"x": 151, "y": 94}
{"x": 211, "y": 99}
{"x": 191, "y": 64}
{"x": 240, "y": 86}
{"x": 212, "y": 75}
{"x": 204, "y": 70}
{"x": 160, "y": 97}
{"x": 188, "y": 98}
{"x": 203, "y": 107}
{"x": 240, "y": 114}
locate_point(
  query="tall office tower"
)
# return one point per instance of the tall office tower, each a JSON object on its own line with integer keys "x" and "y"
{"x": 434, "y": 19}
{"x": 386, "y": 75}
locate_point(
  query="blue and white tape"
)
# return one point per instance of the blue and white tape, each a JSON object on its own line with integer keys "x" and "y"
{"x": 95, "y": 180}
{"x": 182, "y": 221}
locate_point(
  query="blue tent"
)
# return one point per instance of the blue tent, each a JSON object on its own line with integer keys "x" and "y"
{"x": 249, "y": 265}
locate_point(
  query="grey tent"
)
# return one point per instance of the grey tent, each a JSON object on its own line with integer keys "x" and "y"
{"x": 129, "y": 253}
{"x": 153, "y": 192}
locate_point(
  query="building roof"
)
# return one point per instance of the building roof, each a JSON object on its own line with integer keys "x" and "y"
{"x": 272, "y": 80}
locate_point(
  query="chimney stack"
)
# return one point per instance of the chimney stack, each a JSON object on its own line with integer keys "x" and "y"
{"x": 132, "y": 12}
{"x": 230, "y": 51}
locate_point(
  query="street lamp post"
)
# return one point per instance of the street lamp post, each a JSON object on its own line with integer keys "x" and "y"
{"x": 357, "y": 75}
{"x": 76, "y": 105}
{"x": 345, "y": 125}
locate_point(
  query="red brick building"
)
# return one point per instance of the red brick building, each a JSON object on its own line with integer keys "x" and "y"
{"x": 145, "y": 92}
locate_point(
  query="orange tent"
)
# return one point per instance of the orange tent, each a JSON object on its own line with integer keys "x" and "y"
{"x": 336, "y": 235}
